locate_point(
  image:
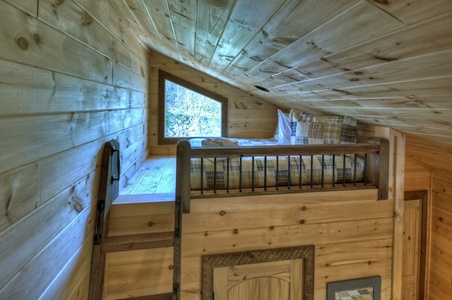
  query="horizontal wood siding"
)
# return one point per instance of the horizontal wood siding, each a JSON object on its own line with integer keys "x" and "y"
{"x": 248, "y": 116}
{"x": 417, "y": 176}
{"x": 433, "y": 157}
{"x": 352, "y": 233}
{"x": 140, "y": 272}
{"x": 440, "y": 283}
{"x": 351, "y": 230}
{"x": 70, "y": 82}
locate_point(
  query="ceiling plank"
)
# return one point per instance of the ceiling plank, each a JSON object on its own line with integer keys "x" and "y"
{"x": 247, "y": 18}
{"x": 435, "y": 65}
{"x": 414, "y": 11}
{"x": 184, "y": 30}
{"x": 160, "y": 14}
{"x": 144, "y": 21}
{"x": 183, "y": 16}
{"x": 420, "y": 39}
{"x": 433, "y": 103}
{"x": 291, "y": 22}
{"x": 186, "y": 8}
{"x": 210, "y": 23}
{"x": 351, "y": 27}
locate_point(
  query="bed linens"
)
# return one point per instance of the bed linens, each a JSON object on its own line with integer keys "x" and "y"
{"x": 272, "y": 171}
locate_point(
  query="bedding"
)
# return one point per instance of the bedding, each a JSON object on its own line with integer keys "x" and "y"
{"x": 310, "y": 129}
{"x": 273, "y": 171}
{"x": 283, "y": 131}
{"x": 293, "y": 128}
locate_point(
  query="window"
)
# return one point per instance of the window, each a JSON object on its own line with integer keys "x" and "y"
{"x": 186, "y": 110}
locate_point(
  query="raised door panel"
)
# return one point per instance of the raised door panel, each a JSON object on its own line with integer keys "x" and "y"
{"x": 280, "y": 280}
{"x": 411, "y": 248}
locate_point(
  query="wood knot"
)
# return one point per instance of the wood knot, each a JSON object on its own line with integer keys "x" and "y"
{"x": 36, "y": 38}
{"x": 236, "y": 231}
{"x": 441, "y": 219}
{"x": 150, "y": 223}
{"x": 222, "y": 213}
{"x": 22, "y": 43}
{"x": 77, "y": 205}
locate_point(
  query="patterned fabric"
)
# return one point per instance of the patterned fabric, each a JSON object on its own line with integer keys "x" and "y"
{"x": 203, "y": 142}
{"x": 309, "y": 129}
{"x": 281, "y": 171}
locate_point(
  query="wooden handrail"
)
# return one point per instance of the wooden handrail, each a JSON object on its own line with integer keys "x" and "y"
{"x": 283, "y": 150}
{"x": 377, "y": 151}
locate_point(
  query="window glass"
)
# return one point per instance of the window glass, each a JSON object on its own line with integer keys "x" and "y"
{"x": 190, "y": 114}
{"x": 187, "y": 110}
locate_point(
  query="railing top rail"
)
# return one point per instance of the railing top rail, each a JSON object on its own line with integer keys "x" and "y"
{"x": 283, "y": 150}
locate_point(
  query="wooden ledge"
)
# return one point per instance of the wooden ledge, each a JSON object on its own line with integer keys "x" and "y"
{"x": 138, "y": 241}
{"x": 144, "y": 198}
{"x": 168, "y": 296}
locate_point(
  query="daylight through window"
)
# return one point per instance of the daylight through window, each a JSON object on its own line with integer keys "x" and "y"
{"x": 190, "y": 114}
{"x": 186, "y": 110}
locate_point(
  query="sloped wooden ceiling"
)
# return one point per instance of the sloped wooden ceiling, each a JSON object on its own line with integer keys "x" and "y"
{"x": 383, "y": 62}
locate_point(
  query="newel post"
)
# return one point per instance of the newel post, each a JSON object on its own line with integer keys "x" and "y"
{"x": 378, "y": 167}
{"x": 183, "y": 175}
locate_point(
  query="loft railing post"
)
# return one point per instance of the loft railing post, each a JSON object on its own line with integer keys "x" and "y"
{"x": 181, "y": 205}
{"x": 378, "y": 167}
{"x": 183, "y": 174}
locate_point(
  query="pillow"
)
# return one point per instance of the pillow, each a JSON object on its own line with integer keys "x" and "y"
{"x": 219, "y": 142}
{"x": 283, "y": 132}
{"x": 309, "y": 129}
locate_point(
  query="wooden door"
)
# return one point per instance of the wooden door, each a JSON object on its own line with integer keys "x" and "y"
{"x": 411, "y": 249}
{"x": 280, "y": 280}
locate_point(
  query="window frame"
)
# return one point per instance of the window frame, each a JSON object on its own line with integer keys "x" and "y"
{"x": 163, "y": 76}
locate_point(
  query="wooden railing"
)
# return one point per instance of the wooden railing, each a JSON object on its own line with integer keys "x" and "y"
{"x": 375, "y": 154}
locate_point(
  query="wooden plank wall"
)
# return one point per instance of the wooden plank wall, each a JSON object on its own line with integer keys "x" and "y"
{"x": 353, "y": 234}
{"x": 437, "y": 157}
{"x": 440, "y": 281}
{"x": 140, "y": 272}
{"x": 71, "y": 77}
{"x": 248, "y": 116}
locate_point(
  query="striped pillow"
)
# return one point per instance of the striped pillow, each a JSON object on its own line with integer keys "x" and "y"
{"x": 309, "y": 129}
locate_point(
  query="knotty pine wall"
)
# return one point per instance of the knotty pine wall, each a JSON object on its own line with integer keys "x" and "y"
{"x": 354, "y": 234}
{"x": 248, "y": 116}
{"x": 436, "y": 157}
{"x": 71, "y": 79}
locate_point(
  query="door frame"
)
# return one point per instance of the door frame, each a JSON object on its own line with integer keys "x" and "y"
{"x": 306, "y": 252}
{"x": 423, "y": 267}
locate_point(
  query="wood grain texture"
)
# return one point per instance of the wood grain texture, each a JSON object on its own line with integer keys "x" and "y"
{"x": 139, "y": 273}
{"x": 245, "y": 113}
{"x": 310, "y": 53}
{"x": 19, "y": 194}
{"x": 70, "y": 82}
{"x": 441, "y": 218}
{"x": 220, "y": 273}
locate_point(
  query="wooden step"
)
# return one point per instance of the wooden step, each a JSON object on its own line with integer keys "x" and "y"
{"x": 138, "y": 241}
{"x": 168, "y": 296}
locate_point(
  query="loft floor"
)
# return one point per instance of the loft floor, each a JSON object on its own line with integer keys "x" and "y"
{"x": 155, "y": 181}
